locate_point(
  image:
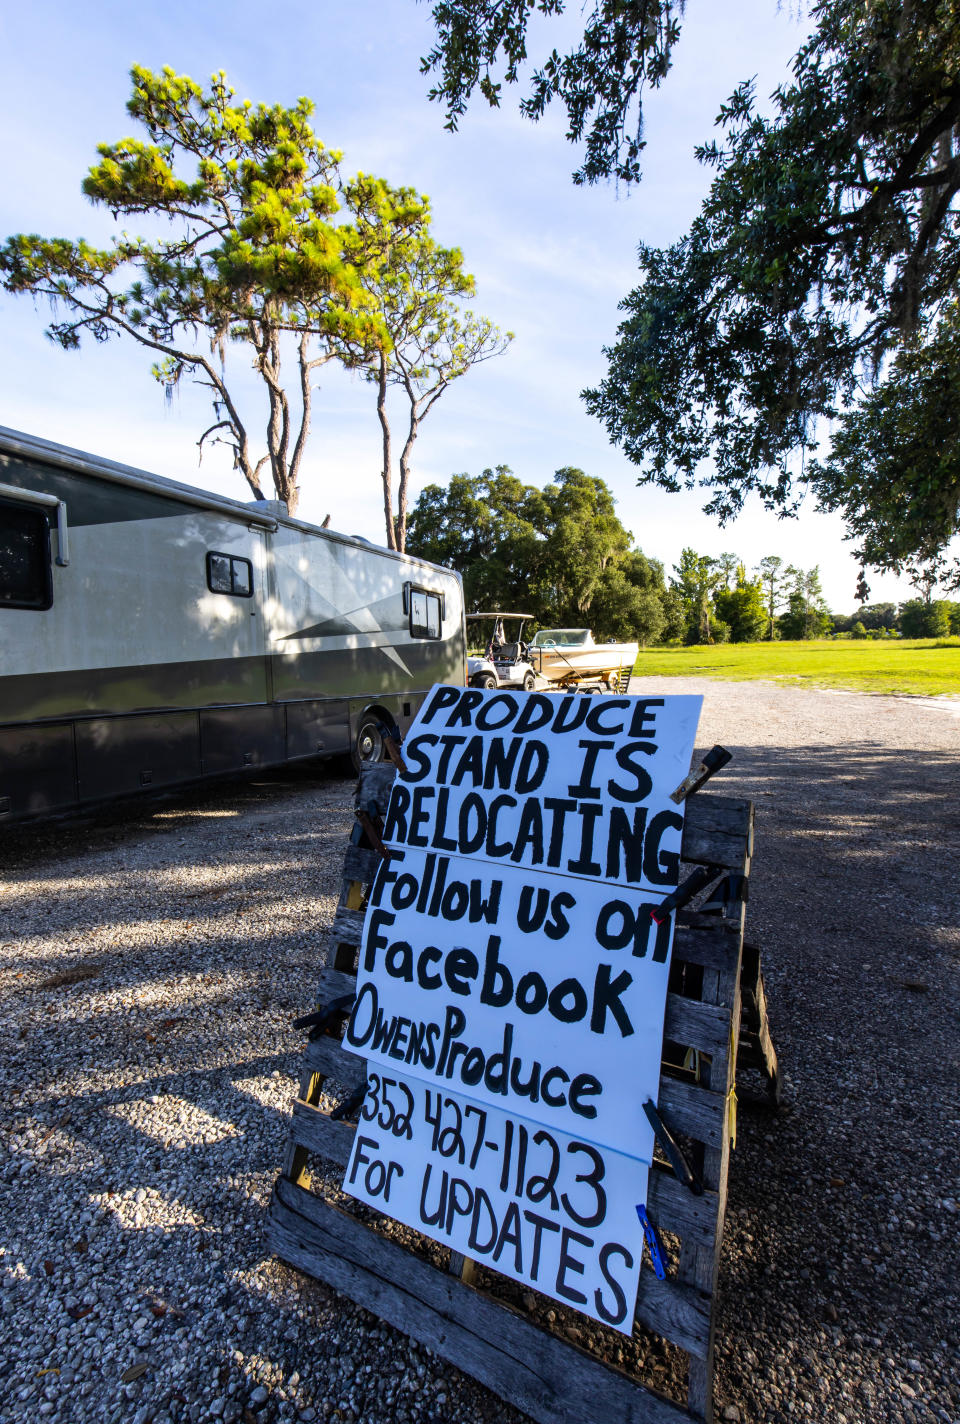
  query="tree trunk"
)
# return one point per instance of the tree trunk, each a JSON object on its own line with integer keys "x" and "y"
{"x": 705, "y": 618}
{"x": 402, "y": 492}
{"x": 306, "y": 409}
{"x": 387, "y": 471}
{"x": 288, "y": 492}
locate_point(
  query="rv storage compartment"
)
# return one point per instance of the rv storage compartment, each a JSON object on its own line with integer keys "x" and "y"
{"x": 116, "y": 755}
{"x": 232, "y": 738}
{"x": 37, "y": 773}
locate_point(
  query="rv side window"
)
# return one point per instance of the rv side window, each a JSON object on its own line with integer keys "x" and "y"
{"x": 424, "y": 614}
{"x": 25, "y": 577}
{"x": 226, "y": 573}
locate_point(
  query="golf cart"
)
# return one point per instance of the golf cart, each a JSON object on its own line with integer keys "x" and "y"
{"x": 503, "y": 663}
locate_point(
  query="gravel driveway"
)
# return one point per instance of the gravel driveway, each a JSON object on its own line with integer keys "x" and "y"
{"x": 152, "y": 958}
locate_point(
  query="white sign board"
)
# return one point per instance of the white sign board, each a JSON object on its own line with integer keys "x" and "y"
{"x": 532, "y": 993}
{"x": 574, "y": 785}
{"x": 511, "y": 973}
{"x": 547, "y": 1209}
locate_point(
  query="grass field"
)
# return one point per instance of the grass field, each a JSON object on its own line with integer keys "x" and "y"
{"x": 920, "y": 667}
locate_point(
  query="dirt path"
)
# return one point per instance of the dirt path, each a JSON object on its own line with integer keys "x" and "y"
{"x": 152, "y": 957}
{"x": 841, "y": 1267}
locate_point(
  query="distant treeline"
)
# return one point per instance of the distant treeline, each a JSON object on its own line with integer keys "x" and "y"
{"x": 562, "y": 555}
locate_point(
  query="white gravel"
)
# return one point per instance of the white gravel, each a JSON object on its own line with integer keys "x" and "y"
{"x": 152, "y": 957}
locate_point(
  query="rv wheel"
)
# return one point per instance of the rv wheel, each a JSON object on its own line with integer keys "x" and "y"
{"x": 369, "y": 745}
{"x": 529, "y": 682}
{"x": 484, "y": 679}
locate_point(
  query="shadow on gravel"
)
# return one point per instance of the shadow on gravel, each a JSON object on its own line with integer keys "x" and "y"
{"x": 166, "y": 812}
{"x": 843, "y": 1235}
{"x": 147, "y": 1080}
{"x": 840, "y": 1270}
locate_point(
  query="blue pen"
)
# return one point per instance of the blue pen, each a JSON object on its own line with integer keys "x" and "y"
{"x": 653, "y": 1241}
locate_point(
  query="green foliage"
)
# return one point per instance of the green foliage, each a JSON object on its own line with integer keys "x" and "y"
{"x": 825, "y": 259}
{"x": 675, "y": 617}
{"x": 696, "y": 580}
{"x": 773, "y": 577}
{"x": 559, "y": 553}
{"x": 629, "y": 600}
{"x": 428, "y": 342}
{"x": 728, "y": 567}
{"x": 894, "y": 466}
{"x": 828, "y": 245}
{"x": 270, "y": 246}
{"x": 583, "y": 539}
{"x": 742, "y": 609}
{"x": 875, "y": 618}
{"x": 807, "y": 615}
{"x": 919, "y": 619}
{"x": 487, "y": 528}
{"x": 625, "y": 48}
{"x": 878, "y": 615}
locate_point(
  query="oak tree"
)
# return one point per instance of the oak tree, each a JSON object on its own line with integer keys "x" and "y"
{"x": 824, "y": 259}
{"x": 560, "y": 553}
{"x": 823, "y": 263}
{"x": 626, "y": 48}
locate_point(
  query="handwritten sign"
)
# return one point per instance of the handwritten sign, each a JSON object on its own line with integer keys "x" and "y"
{"x": 511, "y": 976}
{"x": 533, "y": 993}
{"x": 574, "y": 785}
{"x": 540, "y": 1206}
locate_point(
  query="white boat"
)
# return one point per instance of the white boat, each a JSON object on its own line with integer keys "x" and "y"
{"x": 569, "y": 655}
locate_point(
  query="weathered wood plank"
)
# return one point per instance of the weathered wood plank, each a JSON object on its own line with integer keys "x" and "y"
{"x": 679, "y": 1313}
{"x": 673, "y": 1207}
{"x": 463, "y": 1267}
{"x": 750, "y": 971}
{"x": 334, "y": 984}
{"x": 696, "y": 1025}
{"x": 360, "y": 864}
{"x": 720, "y": 988}
{"x": 692, "y": 1110}
{"x": 320, "y": 1133}
{"x": 710, "y": 947}
{"x": 717, "y": 830}
{"x": 756, "y": 1045}
{"x": 347, "y": 926}
{"x": 552, "y": 1381}
{"x": 327, "y": 1055}
{"x": 376, "y": 783}
{"x": 693, "y": 919}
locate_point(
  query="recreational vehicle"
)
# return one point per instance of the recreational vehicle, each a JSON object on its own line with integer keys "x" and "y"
{"x": 153, "y": 634}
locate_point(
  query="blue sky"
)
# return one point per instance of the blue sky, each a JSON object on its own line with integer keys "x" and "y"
{"x": 551, "y": 260}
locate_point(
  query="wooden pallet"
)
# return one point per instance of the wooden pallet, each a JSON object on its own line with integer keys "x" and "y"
{"x": 552, "y": 1380}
